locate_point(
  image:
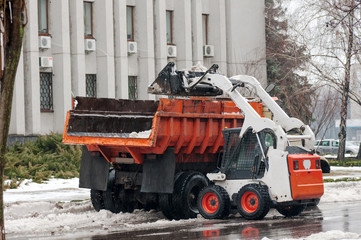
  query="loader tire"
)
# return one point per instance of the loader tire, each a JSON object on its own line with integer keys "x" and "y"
{"x": 292, "y": 210}
{"x": 166, "y": 202}
{"x": 96, "y": 197}
{"x": 214, "y": 202}
{"x": 185, "y": 195}
{"x": 111, "y": 198}
{"x": 253, "y": 201}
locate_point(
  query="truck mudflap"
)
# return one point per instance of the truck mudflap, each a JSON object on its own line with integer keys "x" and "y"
{"x": 305, "y": 176}
{"x": 94, "y": 171}
{"x": 158, "y": 173}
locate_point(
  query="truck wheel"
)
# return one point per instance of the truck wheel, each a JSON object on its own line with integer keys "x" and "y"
{"x": 96, "y": 197}
{"x": 253, "y": 201}
{"x": 166, "y": 202}
{"x": 292, "y": 210}
{"x": 214, "y": 202}
{"x": 186, "y": 191}
{"x": 111, "y": 198}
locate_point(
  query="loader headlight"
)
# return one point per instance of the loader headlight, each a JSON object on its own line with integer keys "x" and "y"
{"x": 307, "y": 164}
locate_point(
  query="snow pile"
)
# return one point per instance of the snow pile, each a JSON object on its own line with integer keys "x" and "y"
{"x": 143, "y": 134}
{"x": 343, "y": 172}
{"x": 52, "y": 190}
{"x": 330, "y": 235}
{"x": 342, "y": 192}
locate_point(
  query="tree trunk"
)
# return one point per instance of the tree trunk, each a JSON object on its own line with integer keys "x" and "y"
{"x": 12, "y": 42}
{"x": 345, "y": 90}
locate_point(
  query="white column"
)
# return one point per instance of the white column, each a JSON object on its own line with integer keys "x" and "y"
{"x": 77, "y": 47}
{"x": 246, "y": 44}
{"x": 103, "y": 33}
{"x": 160, "y": 37}
{"x": 197, "y": 37}
{"x": 217, "y": 33}
{"x": 120, "y": 49}
{"x": 17, "y": 123}
{"x": 59, "y": 26}
{"x": 182, "y": 31}
{"x": 145, "y": 33}
{"x": 31, "y": 71}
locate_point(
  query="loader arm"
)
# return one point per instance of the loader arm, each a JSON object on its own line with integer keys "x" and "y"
{"x": 211, "y": 83}
{"x": 280, "y": 117}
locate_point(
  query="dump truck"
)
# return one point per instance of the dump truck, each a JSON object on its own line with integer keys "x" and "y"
{"x": 195, "y": 152}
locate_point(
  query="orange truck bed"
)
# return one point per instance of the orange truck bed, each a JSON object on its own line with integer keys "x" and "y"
{"x": 118, "y": 128}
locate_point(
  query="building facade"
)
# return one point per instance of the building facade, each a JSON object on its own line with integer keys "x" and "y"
{"x": 115, "y": 48}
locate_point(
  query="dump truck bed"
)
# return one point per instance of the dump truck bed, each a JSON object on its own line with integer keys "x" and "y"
{"x": 142, "y": 127}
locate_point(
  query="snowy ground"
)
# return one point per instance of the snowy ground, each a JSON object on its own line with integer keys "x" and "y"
{"x": 58, "y": 209}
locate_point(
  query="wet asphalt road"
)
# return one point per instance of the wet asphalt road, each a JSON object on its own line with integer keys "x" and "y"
{"x": 345, "y": 217}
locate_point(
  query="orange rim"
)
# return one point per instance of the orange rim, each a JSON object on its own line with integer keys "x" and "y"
{"x": 249, "y": 202}
{"x": 210, "y": 202}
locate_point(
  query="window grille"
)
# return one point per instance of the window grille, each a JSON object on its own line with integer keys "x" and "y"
{"x": 91, "y": 85}
{"x": 132, "y": 87}
{"x": 46, "y": 91}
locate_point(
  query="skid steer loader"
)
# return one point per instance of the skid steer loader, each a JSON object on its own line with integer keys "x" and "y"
{"x": 268, "y": 162}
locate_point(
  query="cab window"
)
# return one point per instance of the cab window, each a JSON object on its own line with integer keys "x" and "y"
{"x": 325, "y": 143}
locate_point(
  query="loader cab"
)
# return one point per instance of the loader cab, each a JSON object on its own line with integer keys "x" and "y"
{"x": 246, "y": 157}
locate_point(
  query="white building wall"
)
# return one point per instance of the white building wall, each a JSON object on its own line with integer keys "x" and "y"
{"x": 17, "y": 123}
{"x": 245, "y": 34}
{"x": 104, "y": 34}
{"x": 31, "y": 71}
{"x": 77, "y": 47}
{"x": 236, "y": 30}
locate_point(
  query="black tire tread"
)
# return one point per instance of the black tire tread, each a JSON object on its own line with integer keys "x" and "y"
{"x": 181, "y": 191}
{"x": 166, "y": 201}
{"x": 264, "y": 201}
{"x": 224, "y": 202}
{"x": 96, "y": 197}
{"x": 292, "y": 210}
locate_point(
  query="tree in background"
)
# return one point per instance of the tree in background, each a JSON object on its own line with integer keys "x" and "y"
{"x": 12, "y": 30}
{"x": 331, "y": 30}
{"x": 285, "y": 58}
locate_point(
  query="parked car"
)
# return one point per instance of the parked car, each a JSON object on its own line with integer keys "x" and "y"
{"x": 330, "y": 146}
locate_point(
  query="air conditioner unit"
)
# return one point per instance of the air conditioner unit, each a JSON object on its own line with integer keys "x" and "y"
{"x": 89, "y": 45}
{"x": 171, "y": 51}
{"x": 44, "y": 42}
{"x": 45, "y": 62}
{"x": 208, "y": 50}
{"x": 132, "y": 47}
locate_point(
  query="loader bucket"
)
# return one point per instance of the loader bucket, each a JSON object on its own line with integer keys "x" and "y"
{"x": 171, "y": 82}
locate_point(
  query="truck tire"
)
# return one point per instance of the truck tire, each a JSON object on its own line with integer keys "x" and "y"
{"x": 111, "y": 198}
{"x": 214, "y": 202}
{"x": 96, "y": 197}
{"x": 253, "y": 201}
{"x": 166, "y": 202}
{"x": 292, "y": 210}
{"x": 185, "y": 195}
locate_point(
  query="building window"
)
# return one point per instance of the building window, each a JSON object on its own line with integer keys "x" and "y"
{"x": 43, "y": 17}
{"x": 91, "y": 85}
{"x": 46, "y": 91}
{"x": 169, "y": 20}
{"x": 205, "y": 28}
{"x": 88, "y": 19}
{"x": 130, "y": 23}
{"x": 132, "y": 87}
